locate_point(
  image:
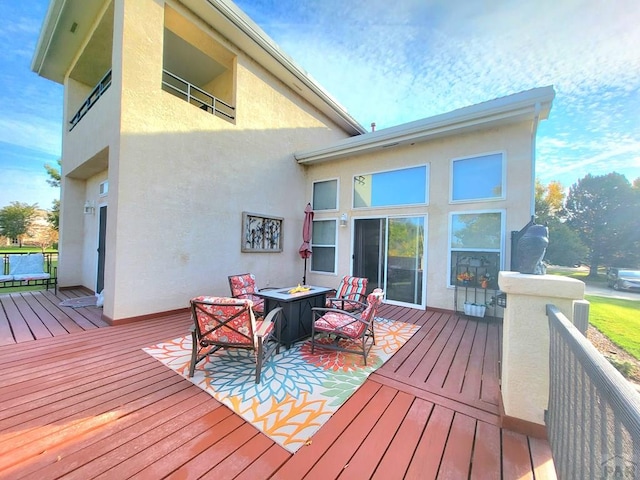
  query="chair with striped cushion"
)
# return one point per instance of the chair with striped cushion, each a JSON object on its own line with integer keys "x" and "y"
{"x": 350, "y": 295}
{"x": 244, "y": 286}
{"x": 223, "y": 322}
{"x": 344, "y": 331}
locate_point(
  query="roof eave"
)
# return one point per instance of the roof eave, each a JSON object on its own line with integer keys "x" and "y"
{"x": 511, "y": 109}
{"x": 234, "y": 24}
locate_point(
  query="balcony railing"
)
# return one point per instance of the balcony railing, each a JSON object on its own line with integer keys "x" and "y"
{"x": 593, "y": 419}
{"x": 196, "y": 96}
{"x": 91, "y": 100}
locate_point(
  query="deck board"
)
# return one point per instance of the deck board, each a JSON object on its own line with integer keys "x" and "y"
{"x": 80, "y": 399}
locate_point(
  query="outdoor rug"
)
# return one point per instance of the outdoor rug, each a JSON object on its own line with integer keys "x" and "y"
{"x": 299, "y": 391}
{"x": 80, "y": 302}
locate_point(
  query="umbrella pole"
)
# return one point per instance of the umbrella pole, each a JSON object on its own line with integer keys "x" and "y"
{"x": 304, "y": 275}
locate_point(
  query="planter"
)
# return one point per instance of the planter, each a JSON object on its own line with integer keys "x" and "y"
{"x": 474, "y": 310}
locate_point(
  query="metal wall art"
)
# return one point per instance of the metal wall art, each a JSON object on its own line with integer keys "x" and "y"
{"x": 261, "y": 233}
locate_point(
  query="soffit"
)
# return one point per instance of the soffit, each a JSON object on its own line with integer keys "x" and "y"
{"x": 523, "y": 106}
{"x": 231, "y": 22}
{"x": 57, "y": 45}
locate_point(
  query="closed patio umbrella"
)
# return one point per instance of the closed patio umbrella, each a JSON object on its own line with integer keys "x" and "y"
{"x": 305, "y": 248}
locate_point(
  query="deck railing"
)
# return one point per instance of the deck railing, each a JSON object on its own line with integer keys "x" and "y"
{"x": 91, "y": 100}
{"x": 593, "y": 418}
{"x": 196, "y": 96}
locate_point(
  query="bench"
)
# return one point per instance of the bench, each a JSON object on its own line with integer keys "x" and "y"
{"x": 28, "y": 269}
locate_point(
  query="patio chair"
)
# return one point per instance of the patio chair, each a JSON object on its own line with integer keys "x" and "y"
{"x": 344, "y": 331}
{"x": 350, "y": 295}
{"x": 223, "y": 322}
{"x": 244, "y": 286}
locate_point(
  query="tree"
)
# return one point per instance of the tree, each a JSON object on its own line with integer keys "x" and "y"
{"x": 54, "y": 173}
{"x": 549, "y": 201}
{"x": 15, "y": 220}
{"x": 603, "y": 211}
{"x": 565, "y": 246}
{"x": 43, "y": 235}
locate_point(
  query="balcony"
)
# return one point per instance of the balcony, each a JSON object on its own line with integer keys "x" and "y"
{"x": 196, "y": 96}
{"x": 91, "y": 100}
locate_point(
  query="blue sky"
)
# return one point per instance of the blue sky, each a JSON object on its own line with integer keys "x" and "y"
{"x": 391, "y": 63}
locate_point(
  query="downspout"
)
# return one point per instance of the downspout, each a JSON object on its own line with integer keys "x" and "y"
{"x": 534, "y": 131}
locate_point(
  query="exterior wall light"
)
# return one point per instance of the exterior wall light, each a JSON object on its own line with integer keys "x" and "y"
{"x": 343, "y": 220}
{"x": 89, "y": 209}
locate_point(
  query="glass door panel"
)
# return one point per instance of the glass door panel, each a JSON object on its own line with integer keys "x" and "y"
{"x": 405, "y": 255}
{"x": 390, "y": 253}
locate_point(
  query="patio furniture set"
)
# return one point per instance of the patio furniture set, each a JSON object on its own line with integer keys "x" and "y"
{"x": 263, "y": 320}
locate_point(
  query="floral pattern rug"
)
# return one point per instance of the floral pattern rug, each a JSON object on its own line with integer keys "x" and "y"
{"x": 299, "y": 391}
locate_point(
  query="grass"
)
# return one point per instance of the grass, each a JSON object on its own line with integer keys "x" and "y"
{"x": 619, "y": 320}
{"x": 583, "y": 275}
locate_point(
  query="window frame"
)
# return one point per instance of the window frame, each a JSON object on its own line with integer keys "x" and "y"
{"x": 500, "y": 251}
{"x": 427, "y": 167}
{"x": 334, "y": 246}
{"x": 337, "y": 199}
{"x": 503, "y": 178}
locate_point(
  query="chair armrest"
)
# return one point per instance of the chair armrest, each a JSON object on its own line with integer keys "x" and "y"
{"x": 274, "y": 317}
{"x": 351, "y": 305}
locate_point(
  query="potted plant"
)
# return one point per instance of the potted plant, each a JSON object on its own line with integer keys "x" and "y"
{"x": 465, "y": 277}
{"x": 475, "y": 309}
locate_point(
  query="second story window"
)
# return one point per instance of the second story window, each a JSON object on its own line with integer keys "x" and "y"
{"x": 407, "y": 186}
{"x": 325, "y": 195}
{"x": 477, "y": 178}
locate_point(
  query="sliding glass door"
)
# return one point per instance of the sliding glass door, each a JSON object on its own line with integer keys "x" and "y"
{"x": 389, "y": 252}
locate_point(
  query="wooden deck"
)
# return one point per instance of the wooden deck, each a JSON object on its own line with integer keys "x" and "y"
{"x": 86, "y": 402}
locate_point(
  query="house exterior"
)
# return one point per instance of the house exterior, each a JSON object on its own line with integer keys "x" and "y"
{"x": 186, "y": 129}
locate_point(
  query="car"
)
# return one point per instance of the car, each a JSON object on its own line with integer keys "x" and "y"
{"x": 624, "y": 279}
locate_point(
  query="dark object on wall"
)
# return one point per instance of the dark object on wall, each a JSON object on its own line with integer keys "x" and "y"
{"x": 530, "y": 249}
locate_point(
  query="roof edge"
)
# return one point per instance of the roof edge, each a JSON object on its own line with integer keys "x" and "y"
{"x": 527, "y": 104}
{"x": 243, "y": 22}
{"x": 47, "y": 29}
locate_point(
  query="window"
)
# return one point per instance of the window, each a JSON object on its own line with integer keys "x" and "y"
{"x": 323, "y": 244}
{"x": 104, "y": 188}
{"x": 477, "y": 234}
{"x": 325, "y": 195}
{"x": 396, "y": 187}
{"x": 477, "y": 178}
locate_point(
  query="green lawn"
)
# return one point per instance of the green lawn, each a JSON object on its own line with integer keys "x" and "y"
{"x": 583, "y": 275}
{"x": 618, "y": 319}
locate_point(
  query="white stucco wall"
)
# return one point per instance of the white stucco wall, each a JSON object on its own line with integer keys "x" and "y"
{"x": 184, "y": 177}
{"x": 514, "y": 141}
{"x": 525, "y": 339}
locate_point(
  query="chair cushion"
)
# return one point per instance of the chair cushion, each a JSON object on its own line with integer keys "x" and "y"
{"x": 352, "y": 288}
{"x": 26, "y": 264}
{"x": 258, "y": 303}
{"x": 31, "y": 276}
{"x": 242, "y": 284}
{"x": 344, "y": 324}
{"x": 237, "y": 331}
